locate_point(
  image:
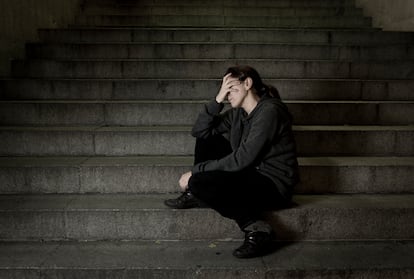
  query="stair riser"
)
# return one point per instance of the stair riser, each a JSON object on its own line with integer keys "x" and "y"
{"x": 81, "y": 178}
{"x": 226, "y": 35}
{"x": 206, "y": 273}
{"x": 205, "y": 259}
{"x": 185, "y": 114}
{"x": 234, "y": 3}
{"x": 217, "y": 11}
{"x": 200, "y": 89}
{"x": 210, "y": 69}
{"x": 197, "y": 51}
{"x": 226, "y": 21}
{"x": 309, "y": 143}
{"x": 293, "y": 224}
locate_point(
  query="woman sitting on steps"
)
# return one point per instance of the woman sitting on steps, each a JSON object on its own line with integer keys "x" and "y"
{"x": 245, "y": 158}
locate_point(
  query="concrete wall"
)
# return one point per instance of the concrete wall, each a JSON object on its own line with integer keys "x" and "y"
{"x": 395, "y": 15}
{"x": 20, "y": 20}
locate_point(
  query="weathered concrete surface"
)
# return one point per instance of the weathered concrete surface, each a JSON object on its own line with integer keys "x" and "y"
{"x": 176, "y": 140}
{"x": 225, "y": 21}
{"x": 200, "y": 89}
{"x": 210, "y": 68}
{"x": 221, "y": 4}
{"x": 216, "y": 10}
{"x": 205, "y": 259}
{"x": 218, "y": 51}
{"x": 160, "y": 174}
{"x": 246, "y": 35}
{"x": 129, "y": 217}
{"x": 185, "y": 112}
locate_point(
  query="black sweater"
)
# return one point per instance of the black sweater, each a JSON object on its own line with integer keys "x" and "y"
{"x": 263, "y": 140}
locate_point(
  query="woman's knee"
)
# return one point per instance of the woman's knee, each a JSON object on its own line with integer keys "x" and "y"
{"x": 195, "y": 183}
{"x": 205, "y": 185}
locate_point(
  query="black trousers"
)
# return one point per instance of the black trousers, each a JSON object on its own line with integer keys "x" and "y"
{"x": 242, "y": 196}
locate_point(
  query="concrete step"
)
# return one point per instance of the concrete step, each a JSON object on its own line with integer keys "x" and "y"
{"x": 217, "y": 51}
{"x": 142, "y": 10}
{"x": 137, "y": 217}
{"x": 185, "y": 112}
{"x": 205, "y": 259}
{"x": 175, "y": 89}
{"x": 236, "y": 35}
{"x": 160, "y": 174}
{"x": 225, "y": 21}
{"x": 209, "y": 68}
{"x": 220, "y": 3}
{"x": 173, "y": 140}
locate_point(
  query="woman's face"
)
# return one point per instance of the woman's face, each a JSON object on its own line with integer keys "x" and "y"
{"x": 237, "y": 94}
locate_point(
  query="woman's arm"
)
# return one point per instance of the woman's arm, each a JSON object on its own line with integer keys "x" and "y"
{"x": 209, "y": 121}
{"x": 264, "y": 128}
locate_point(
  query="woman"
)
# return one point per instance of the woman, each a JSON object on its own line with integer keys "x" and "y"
{"x": 245, "y": 158}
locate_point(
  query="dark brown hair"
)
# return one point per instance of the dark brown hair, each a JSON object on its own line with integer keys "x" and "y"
{"x": 242, "y": 72}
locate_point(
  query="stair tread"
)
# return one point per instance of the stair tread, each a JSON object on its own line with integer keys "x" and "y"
{"x": 163, "y": 128}
{"x": 3, "y": 79}
{"x": 221, "y": 43}
{"x": 212, "y": 60}
{"x": 150, "y": 68}
{"x": 184, "y": 28}
{"x": 345, "y": 16}
{"x": 27, "y": 161}
{"x": 197, "y": 257}
{"x": 154, "y": 202}
{"x": 188, "y": 101}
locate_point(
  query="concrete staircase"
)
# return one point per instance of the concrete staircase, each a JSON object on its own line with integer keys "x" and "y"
{"x": 95, "y": 133}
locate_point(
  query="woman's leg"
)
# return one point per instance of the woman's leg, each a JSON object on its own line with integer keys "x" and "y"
{"x": 241, "y": 196}
{"x": 214, "y": 147}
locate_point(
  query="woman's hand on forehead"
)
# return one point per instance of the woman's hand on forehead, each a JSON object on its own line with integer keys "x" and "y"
{"x": 229, "y": 79}
{"x": 226, "y": 86}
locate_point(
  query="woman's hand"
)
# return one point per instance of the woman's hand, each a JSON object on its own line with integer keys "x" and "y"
{"x": 184, "y": 180}
{"x": 228, "y": 83}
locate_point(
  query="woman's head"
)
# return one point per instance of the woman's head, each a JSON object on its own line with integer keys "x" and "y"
{"x": 243, "y": 72}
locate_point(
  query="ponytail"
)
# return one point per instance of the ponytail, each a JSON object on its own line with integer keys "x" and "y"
{"x": 270, "y": 90}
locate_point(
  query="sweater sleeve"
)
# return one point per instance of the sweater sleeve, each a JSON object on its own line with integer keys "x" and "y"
{"x": 211, "y": 122}
{"x": 263, "y": 129}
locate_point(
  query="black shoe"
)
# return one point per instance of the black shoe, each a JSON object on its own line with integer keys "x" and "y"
{"x": 186, "y": 200}
{"x": 255, "y": 244}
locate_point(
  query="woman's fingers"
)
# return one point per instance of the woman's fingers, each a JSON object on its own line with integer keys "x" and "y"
{"x": 226, "y": 77}
{"x": 226, "y": 87}
{"x": 233, "y": 82}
